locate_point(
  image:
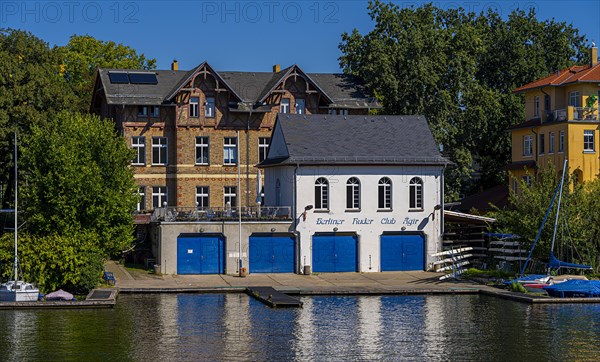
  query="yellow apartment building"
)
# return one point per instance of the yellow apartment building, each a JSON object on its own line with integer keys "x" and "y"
{"x": 561, "y": 121}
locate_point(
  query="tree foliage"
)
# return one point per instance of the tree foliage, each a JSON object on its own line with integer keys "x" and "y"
{"x": 459, "y": 69}
{"x": 578, "y": 229}
{"x": 79, "y": 180}
{"x": 32, "y": 91}
{"x": 84, "y": 54}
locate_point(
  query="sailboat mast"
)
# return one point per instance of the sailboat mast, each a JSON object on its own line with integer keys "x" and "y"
{"x": 15, "y": 265}
{"x": 562, "y": 181}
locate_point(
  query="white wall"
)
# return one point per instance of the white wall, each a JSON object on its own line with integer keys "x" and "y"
{"x": 428, "y": 221}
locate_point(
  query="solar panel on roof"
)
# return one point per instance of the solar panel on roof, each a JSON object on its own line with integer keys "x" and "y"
{"x": 143, "y": 78}
{"x": 118, "y": 77}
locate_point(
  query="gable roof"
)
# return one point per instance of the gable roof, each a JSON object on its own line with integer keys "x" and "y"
{"x": 574, "y": 74}
{"x": 250, "y": 88}
{"x": 327, "y": 139}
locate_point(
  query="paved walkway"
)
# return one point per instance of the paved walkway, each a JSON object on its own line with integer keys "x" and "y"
{"x": 357, "y": 283}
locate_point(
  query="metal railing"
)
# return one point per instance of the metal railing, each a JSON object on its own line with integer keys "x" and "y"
{"x": 253, "y": 213}
{"x": 584, "y": 114}
{"x": 573, "y": 114}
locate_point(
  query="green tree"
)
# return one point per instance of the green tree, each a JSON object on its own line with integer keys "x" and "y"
{"x": 84, "y": 54}
{"x": 578, "y": 229}
{"x": 32, "y": 91}
{"x": 459, "y": 69}
{"x": 78, "y": 179}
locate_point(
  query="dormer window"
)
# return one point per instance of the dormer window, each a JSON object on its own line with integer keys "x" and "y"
{"x": 284, "y": 107}
{"x": 300, "y": 106}
{"x": 142, "y": 111}
{"x": 194, "y": 106}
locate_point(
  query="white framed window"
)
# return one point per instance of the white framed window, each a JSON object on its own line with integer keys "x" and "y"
{"x": 202, "y": 151}
{"x": 284, "y": 106}
{"x": 142, "y": 110}
{"x": 141, "y": 205}
{"x": 527, "y": 145}
{"x": 139, "y": 146}
{"x": 155, "y": 111}
{"x": 209, "y": 107}
{"x": 551, "y": 143}
{"x": 527, "y": 180}
{"x": 230, "y": 196}
{"x": 536, "y": 106}
{"x": 263, "y": 148}
{"x": 561, "y": 141}
{"x": 547, "y": 103}
{"x": 415, "y": 194}
{"x": 194, "y": 106}
{"x": 542, "y": 145}
{"x": 159, "y": 196}
{"x": 353, "y": 194}
{"x": 588, "y": 141}
{"x": 384, "y": 194}
{"x": 574, "y": 99}
{"x": 515, "y": 185}
{"x": 202, "y": 197}
{"x": 300, "y": 106}
{"x": 343, "y": 112}
{"x": 159, "y": 151}
{"x": 321, "y": 194}
{"x": 230, "y": 151}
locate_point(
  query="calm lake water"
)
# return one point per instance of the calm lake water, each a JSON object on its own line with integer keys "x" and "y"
{"x": 236, "y": 327}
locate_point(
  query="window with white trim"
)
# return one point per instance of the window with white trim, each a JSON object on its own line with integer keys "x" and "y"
{"x": 321, "y": 194}
{"x": 551, "y": 143}
{"x": 515, "y": 185}
{"x": 230, "y": 151}
{"x": 209, "y": 110}
{"x": 202, "y": 151}
{"x": 384, "y": 194}
{"x": 353, "y": 194}
{"x": 284, "y": 106}
{"x": 159, "y": 151}
{"x": 588, "y": 140}
{"x": 202, "y": 197}
{"x": 141, "y": 205}
{"x": 194, "y": 106}
{"x": 536, "y": 106}
{"x": 159, "y": 196}
{"x": 139, "y": 146}
{"x": 415, "y": 194}
{"x": 574, "y": 99}
{"x": 229, "y": 196}
{"x": 300, "y": 106}
{"x": 527, "y": 180}
{"x": 547, "y": 102}
{"x": 263, "y": 148}
{"x": 561, "y": 141}
{"x": 527, "y": 145}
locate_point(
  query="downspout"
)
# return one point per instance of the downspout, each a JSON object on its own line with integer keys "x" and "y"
{"x": 248, "y": 160}
{"x": 296, "y": 233}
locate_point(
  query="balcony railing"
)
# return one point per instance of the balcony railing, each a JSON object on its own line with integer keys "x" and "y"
{"x": 253, "y": 213}
{"x": 573, "y": 114}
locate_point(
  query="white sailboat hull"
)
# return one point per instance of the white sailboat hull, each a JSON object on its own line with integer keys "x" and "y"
{"x": 18, "y": 292}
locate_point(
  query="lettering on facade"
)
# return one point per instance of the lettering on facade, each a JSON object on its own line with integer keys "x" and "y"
{"x": 329, "y": 221}
{"x": 410, "y": 222}
{"x": 388, "y": 221}
{"x": 363, "y": 221}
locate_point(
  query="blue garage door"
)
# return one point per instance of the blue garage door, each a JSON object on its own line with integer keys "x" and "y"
{"x": 272, "y": 254}
{"x": 200, "y": 254}
{"x": 402, "y": 252}
{"x": 334, "y": 253}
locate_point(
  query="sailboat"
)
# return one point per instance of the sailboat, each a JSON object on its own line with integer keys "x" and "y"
{"x": 16, "y": 290}
{"x": 544, "y": 280}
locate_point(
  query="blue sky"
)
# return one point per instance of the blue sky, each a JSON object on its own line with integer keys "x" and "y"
{"x": 242, "y": 35}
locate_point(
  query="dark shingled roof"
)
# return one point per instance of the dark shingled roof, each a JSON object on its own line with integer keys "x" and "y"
{"x": 140, "y": 94}
{"x": 251, "y": 87}
{"x": 327, "y": 139}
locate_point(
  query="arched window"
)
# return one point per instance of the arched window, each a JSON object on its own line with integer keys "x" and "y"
{"x": 416, "y": 193}
{"x": 353, "y": 194}
{"x": 385, "y": 193}
{"x": 321, "y": 194}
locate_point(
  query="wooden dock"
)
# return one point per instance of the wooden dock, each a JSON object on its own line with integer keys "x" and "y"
{"x": 97, "y": 298}
{"x": 273, "y": 298}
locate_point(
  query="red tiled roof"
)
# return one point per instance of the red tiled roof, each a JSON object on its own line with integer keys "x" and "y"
{"x": 574, "y": 74}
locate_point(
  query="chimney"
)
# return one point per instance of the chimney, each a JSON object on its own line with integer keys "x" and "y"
{"x": 276, "y": 68}
{"x": 175, "y": 65}
{"x": 594, "y": 55}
